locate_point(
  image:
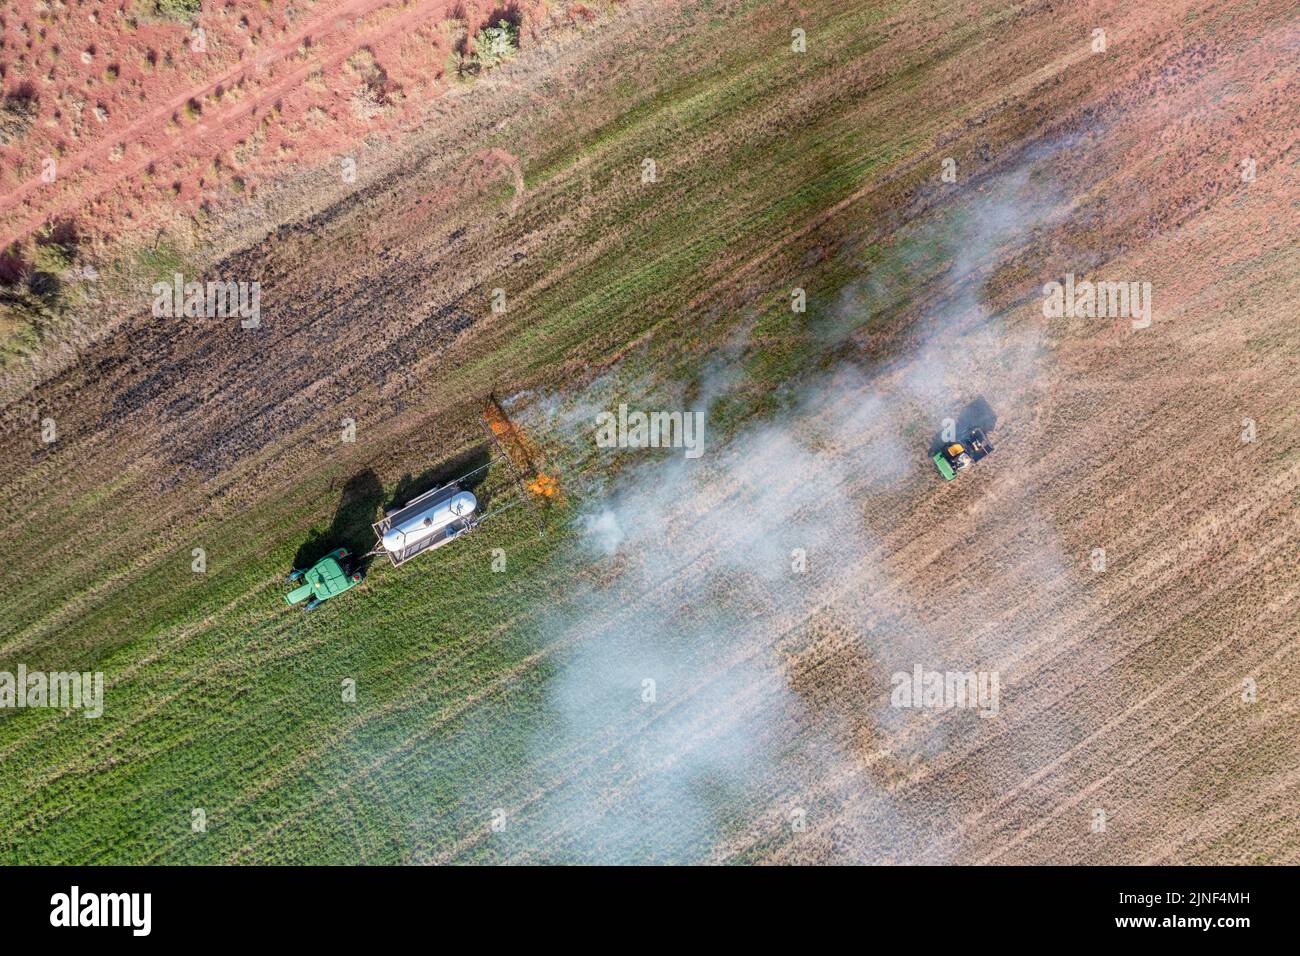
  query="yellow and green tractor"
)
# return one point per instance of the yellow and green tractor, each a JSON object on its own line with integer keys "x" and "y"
{"x": 959, "y": 455}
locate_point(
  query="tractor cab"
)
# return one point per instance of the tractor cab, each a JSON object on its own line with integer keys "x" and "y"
{"x": 329, "y": 576}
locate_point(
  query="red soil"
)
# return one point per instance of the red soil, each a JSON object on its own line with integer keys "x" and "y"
{"x": 137, "y": 118}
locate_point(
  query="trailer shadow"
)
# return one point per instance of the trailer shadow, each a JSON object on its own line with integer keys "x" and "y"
{"x": 471, "y": 463}
{"x": 977, "y": 414}
{"x": 357, "y": 509}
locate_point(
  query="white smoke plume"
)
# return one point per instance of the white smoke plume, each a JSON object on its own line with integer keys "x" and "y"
{"x": 674, "y": 692}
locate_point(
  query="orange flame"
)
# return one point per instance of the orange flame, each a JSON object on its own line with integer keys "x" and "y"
{"x": 543, "y": 485}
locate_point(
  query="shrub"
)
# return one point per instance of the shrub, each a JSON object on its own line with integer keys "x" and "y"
{"x": 494, "y": 45}
{"x": 178, "y": 9}
{"x": 32, "y": 287}
{"x": 17, "y": 113}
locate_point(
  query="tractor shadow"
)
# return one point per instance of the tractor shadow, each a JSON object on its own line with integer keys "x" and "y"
{"x": 412, "y": 486}
{"x": 977, "y": 414}
{"x": 358, "y": 507}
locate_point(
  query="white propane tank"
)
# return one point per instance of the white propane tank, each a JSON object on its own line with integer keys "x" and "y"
{"x": 427, "y": 523}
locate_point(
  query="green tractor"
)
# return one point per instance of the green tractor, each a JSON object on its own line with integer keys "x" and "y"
{"x": 329, "y": 576}
{"x": 960, "y": 455}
